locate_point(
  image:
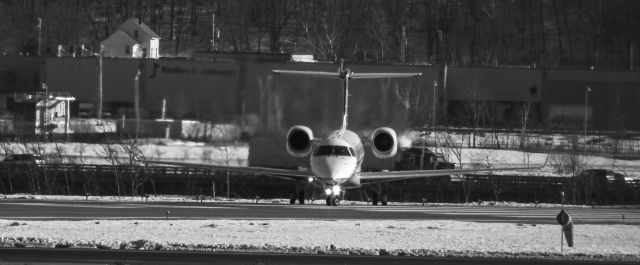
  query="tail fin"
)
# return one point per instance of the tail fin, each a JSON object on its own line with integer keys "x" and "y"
{"x": 345, "y": 74}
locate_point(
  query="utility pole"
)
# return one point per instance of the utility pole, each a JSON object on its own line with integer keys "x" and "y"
{"x": 213, "y": 31}
{"x": 100, "y": 83}
{"x": 403, "y": 45}
{"x": 433, "y": 113}
{"x": 631, "y": 50}
{"x": 137, "y": 103}
{"x": 163, "y": 119}
{"x": 39, "y": 35}
{"x": 586, "y": 115}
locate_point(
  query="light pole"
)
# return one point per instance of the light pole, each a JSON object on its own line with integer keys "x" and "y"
{"x": 433, "y": 118}
{"x": 43, "y": 122}
{"x": 586, "y": 114}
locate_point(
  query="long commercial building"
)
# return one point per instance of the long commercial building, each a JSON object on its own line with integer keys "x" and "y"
{"x": 242, "y": 89}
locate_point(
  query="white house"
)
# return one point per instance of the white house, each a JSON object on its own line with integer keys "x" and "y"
{"x": 133, "y": 39}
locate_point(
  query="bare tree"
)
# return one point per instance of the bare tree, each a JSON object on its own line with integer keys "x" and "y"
{"x": 525, "y": 108}
{"x": 323, "y": 29}
{"x": 225, "y": 146}
{"x": 571, "y": 161}
{"x": 109, "y": 152}
{"x": 478, "y": 111}
{"x": 133, "y": 152}
{"x": 379, "y": 30}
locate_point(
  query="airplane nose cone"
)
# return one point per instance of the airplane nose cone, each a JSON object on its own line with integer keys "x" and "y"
{"x": 341, "y": 169}
{"x": 338, "y": 172}
{"x": 334, "y": 168}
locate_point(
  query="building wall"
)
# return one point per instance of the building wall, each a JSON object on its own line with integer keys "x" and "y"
{"x": 79, "y": 76}
{"x": 193, "y": 89}
{"x": 494, "y": 84}
{"x": 120, "y": 45}
{"x": 612, "y": 103}
{"x": 226, "y": 90}
{"x": 20, "y": 73}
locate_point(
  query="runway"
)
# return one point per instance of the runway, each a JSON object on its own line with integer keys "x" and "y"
{"x": 30, "y": 209}
{"x": 89, "y": 210}
{"x": 15, "y": 256}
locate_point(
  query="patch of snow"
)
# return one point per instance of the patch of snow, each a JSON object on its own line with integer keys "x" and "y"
{"x": 362, "y": 237}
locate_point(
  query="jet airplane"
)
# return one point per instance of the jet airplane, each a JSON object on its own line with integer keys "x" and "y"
{"x": 336, "y": 161}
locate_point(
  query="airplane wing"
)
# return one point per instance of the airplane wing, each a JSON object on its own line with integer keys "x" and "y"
{"x": 400, "y": 175}
{"x": 286, "y": 173}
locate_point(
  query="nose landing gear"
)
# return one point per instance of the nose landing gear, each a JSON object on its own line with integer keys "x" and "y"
{"x": 333, "y": 195}
{"x": 333, "y": 200}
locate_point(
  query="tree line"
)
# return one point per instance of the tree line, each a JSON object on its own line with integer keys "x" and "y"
{"x": 532, "y": 33}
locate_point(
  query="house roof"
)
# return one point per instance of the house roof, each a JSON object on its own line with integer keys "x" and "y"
{"x": 144, "y": 27}
{"x": 122, "y": 34}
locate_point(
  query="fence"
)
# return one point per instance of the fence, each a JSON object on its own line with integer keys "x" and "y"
{"x": 600, "y": 143}
{"x": 132, "y": 180}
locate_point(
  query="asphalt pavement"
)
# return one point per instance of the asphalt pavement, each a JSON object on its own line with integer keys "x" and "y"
{"x": 28, "y": 209}
{"x": 88, "y": 210}
{"x": 21, "y": 256}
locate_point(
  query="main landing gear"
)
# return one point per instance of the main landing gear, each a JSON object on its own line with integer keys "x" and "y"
{"x": 378, "y": 195}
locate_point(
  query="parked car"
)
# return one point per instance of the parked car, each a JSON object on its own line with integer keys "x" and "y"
{"x": 23, "y": 159}
{"x": 410, "y": 160}
{"x": 601, "y": 176}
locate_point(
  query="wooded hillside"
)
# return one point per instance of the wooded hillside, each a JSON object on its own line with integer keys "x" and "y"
{"x": 536, "y": 33}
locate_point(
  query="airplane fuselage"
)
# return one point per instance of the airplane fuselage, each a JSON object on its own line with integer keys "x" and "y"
{"x": 337, "y": 159}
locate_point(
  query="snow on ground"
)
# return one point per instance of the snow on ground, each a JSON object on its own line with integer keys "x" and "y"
{"x": 353, "y": 237}
{"x": 237, "y": 154}
{"x": 83, "y": 153}
{"x": 483, "y": 158}
{"x": 362, "y": 237}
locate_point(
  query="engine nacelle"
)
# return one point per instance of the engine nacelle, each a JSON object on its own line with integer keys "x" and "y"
{"x": 384, "y": 142}
{"x": 299, "y": 141}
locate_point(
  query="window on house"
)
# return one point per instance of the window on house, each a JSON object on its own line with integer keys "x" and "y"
{"x": 127, "y": 49}
{"x": 135, "y": 33}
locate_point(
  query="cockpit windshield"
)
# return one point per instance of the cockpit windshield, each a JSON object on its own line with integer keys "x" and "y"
{"x": 336, "y": 150}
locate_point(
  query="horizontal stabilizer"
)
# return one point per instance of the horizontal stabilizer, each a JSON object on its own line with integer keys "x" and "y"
{"x": 382, "y": 75}
{"x": 347, "y": 74}
{"x": 309, "y": 73}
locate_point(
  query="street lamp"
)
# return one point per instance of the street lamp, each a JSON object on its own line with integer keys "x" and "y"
{"x": 586, "y": 114}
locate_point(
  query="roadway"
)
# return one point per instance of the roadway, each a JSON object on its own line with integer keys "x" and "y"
{"x": 89, "y": 210}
